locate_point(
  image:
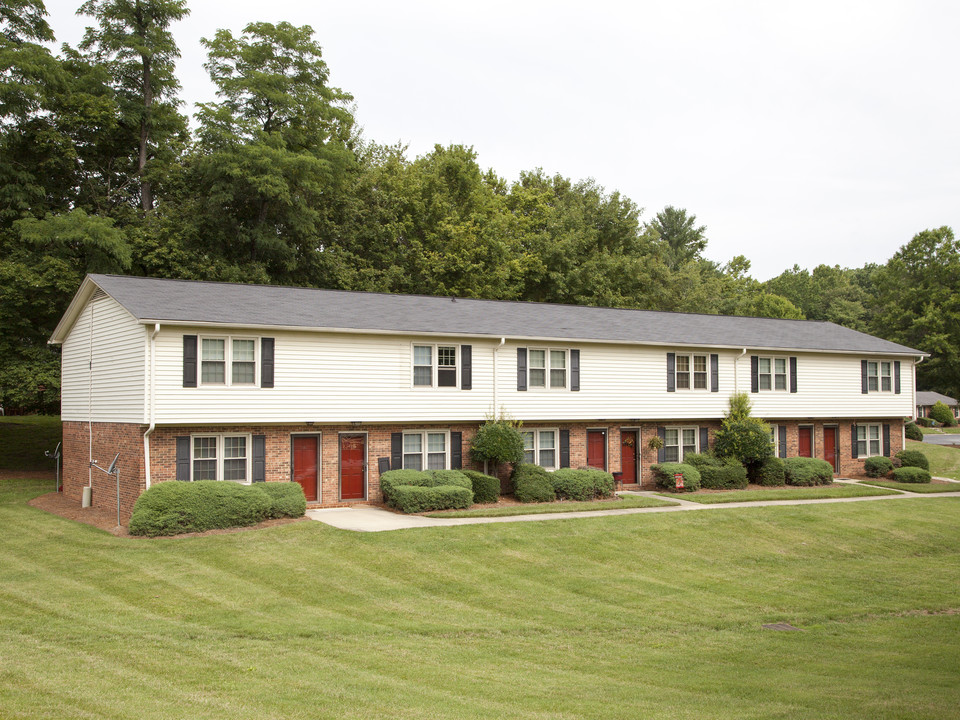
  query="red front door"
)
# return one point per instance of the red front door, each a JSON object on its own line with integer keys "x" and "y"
{"x": 830, "y": 447}
{"x": 305, "y": 465}
{"x": 806, "y": 442}
{"x": 353, "y": 459}
{"x": 597, "y": 449}
{"x": 628, "y": 455}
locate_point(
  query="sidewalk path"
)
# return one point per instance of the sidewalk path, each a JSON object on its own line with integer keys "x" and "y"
{"x": 366, "y": 518}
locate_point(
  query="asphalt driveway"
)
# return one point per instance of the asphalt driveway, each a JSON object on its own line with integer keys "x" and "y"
{"x": 944, "y": 439}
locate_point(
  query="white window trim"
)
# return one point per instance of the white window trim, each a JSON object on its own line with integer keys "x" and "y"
{"x": 866, "y": 435}
{"x": 423, "y": 447}
{"x": 434, "y": 365}
{"x": 546, "y": 360}
{"x": 536, "y": 445}
{"x": 880, "y": 376}
{"x": 676, "y": 372}
{"x": 228, "y": 361}
{"x": 773, "y": 373}
{"x": 220, "y": 455}
{"x": 775, "y": 438}
{"x": 679, "y": 446}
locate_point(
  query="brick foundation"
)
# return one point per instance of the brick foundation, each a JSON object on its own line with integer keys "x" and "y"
{"x": 108, "y": 440}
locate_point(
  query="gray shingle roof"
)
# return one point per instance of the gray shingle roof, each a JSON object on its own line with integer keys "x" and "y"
{"x": 926, "y": 397}
{"x": 183, "y": 301}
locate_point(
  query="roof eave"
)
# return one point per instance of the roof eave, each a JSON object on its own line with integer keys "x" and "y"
{"x": 72, "y": 313}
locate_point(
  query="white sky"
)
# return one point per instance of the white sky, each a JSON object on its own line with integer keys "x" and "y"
{"x": 797, "y": 132}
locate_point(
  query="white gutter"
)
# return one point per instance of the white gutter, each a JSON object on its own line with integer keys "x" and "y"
{"x": 503, "y": 341}
{"x": 151, "y": 400}
{"x": 736, "y": 372}
{"x": 90, "y": 405}
{"x": 920, "y": 359}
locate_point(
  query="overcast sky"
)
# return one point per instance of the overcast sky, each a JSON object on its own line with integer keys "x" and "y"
{"x": 797, "y": 132}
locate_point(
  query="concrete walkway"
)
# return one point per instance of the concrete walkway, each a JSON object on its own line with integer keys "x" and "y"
{"x": 366, "y": 518}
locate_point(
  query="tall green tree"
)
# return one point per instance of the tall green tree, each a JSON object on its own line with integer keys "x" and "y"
{"x": 133, "y": 39}
{"x": 677, "y": 232}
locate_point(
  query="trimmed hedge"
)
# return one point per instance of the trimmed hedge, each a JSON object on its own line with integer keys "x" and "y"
{"x": 393, "y": 479}
{"x": 877, "y": 466}
{"x": 584, "y": 484}
{"x": 913, "y": 458}
{"x": 771, "y": 473}
{"x": 531, "y": 483}
{"x": 910, "y": 474}
{"x": 663, "y": 474}
{"x": 807, "y": 471}
{"x": 717, "y": 474}
{"x": 419, "y": 498}
{"x": 913, "y": 432}
{"x": 926, "y": 422}
{"x": 286, "y": 499}
{"x": 172, "y": 508}
{"x": 486, "y": 488}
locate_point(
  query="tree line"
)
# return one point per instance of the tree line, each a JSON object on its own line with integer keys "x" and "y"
{"x": 102, "y": 171}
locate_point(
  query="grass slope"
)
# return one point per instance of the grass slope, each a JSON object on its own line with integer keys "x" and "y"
{"x": 782, "y": 493}
{"x": 617, "y": 617}
{"x": 944, "y": 460}
{"x": 555, "y": 507}
{"x": 24, "y": 438}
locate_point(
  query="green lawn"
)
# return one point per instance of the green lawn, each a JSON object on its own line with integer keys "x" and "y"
{"x": 944, "y": 461}
{"x": 941, "y": 430}
{"x": 24, "y": 438}
{"x": 781, "y": 493}
{"x": 637, "y": 616}
{"x": 555, "y": 507}
{"x": 915, "y": 487}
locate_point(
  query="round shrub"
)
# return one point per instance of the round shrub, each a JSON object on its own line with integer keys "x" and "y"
{"x": 908, "y": 474}
{"x": 497, "y": 442}
{"x": 942, "y": 414}
{"x": 486, "y": 488}
{"x": 877, "y": 466}
{"x": 286, "y": 499}
{"x": 664, "y": 476}
{"x": 770, "y": 473}
{"x": 172, "y": 508}
{"x": 582, "y": 484}
{"x": 913, "y": 432}
{"x": 807, "y": 471}
{"x": 746, "y": 440}
{"x": 913, "y": 458}
{"x": 717, "y": 474}
{"x": 417, "y": 498}
{"x": 531, "y": 483}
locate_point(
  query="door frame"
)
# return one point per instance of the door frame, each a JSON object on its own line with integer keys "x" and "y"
{"x": 606, "y": 446}
{"x": 319, "y": 437}
{"x": 836, "y": 446}
{"x": 366, "y": 464}
{"x": 636, "y": 452}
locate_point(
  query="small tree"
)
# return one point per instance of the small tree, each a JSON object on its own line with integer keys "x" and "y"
{"x": 942, "y": 414}
{"x": 498, "y": 441}
{"x": 741, "y": 436}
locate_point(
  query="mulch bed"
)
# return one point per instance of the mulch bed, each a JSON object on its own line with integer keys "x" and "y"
{"x": 106, "y": 518}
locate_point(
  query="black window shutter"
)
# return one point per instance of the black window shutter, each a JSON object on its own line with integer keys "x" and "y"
{"x": 564, "y": 448}
{"x": 853, "y": 439}
{"x": 661, "y": 453}
{"x": 456, "y": 450}
{"x": 259, "y": 458}
{"x": 793, "y": 374}
{"x": 383, "y": 465}
{"x": 754, "y": 373}
{"x": 575, "y": 370}
{"x": 714, "y": 373}
{"x": 183, "y": 456}
{"x": 896, "y": 377}
{"x": 886, "y": 439}
{"x": 783, "y": 440}
{"x": 189, "y": 360}
{"x": 863, "y": 378}
{"x": 704, "y": 439}
{"x": 466, "y": 367}
{"x": 266, "y": 362}
{"x": 671, "y": 372}
{"x": 521, "y": 368}
{"x": 396, "y": 450}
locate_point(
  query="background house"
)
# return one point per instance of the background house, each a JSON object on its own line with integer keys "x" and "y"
{"x": 927, "y": 399}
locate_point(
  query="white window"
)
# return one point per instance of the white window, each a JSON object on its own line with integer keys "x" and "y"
{"x": 772, "y": 373}
{"x": 435, "y": 365}
{"x": 540, "y": 447}
{"x": 879, "y": 376}
{"x": 868, "y": 440}
{"x": 426, "y": 450}
{"x": 678, "y": 442}
{"x": 546, "y": 365}
{"x": 220, "y": 457}
{"x": 691, "y": 372}
{"x": 219, "y": 353}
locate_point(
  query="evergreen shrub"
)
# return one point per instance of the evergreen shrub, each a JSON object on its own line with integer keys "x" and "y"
{"x": 807, "y": 471}
{"x": 286, "y": 499}
{"x": 392, "y": 480}
{"x": 717, "y": 474}
{"x": 486, "y": 488}
{"x": 663, "y": 475}
{"x": 943, "y": 414}
{"x": 582, "y": 484}
{"x": 877, "y": 466}
{"x": 913, "y": 432}
{"x": 771, "y": 473}
{"x": 171, "y": 508}
{"x": 531, "y": 483}
{"x": 419, "y": 498}
{"x": 908, "y": 474}
{"x": 913, "y": 458}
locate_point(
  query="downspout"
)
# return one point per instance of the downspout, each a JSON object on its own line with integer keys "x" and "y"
{"x": 151, "y": 400}
{"x": 736, "y": 372}
{"x": 503, "y": 341}
{"x": 90, "y": 405}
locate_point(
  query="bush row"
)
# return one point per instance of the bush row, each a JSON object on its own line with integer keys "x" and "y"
{"x": 805, "y": 471}
{"x": 419, "y": 491}
{"x": 172, "y": 508}
{"x": 531, "y": 483}
{"x": 770, "y": 473}
{"x": 664, "y": 476}
{"x": 908, "y": 474}
{"x": 486, "y": 488}
{"x": 717, "y": 474}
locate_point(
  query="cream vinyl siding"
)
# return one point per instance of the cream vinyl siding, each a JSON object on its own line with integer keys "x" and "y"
{"x": 118, "y": 352}
{"x": 323, "y": 378}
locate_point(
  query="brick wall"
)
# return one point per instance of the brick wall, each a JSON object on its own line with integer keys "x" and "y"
{"x": 108, "y": 440}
